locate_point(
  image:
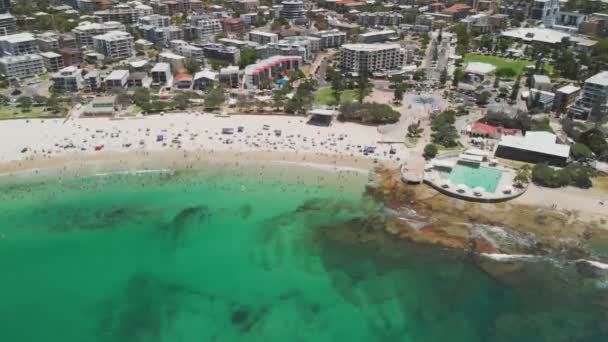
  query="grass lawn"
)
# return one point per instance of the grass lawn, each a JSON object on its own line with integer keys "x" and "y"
{"x": 324, "y": 96}
{"x": 443, "y": 149}
{"x": 516, "y": 65}
{"x": 9, "y": 111}
{"x": 411, "y": 142}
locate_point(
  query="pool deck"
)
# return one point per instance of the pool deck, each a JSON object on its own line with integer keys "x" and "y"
{"x": 433, "y": 177}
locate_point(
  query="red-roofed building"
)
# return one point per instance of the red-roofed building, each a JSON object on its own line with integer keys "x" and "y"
{"x": 436, "y": 7}
{"x": 183, "y": 81}
{"x": 458, "y": 11}
{"x": 480, "y": 129}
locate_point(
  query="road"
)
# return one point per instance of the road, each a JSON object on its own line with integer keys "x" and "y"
{"x": 434, "y": 68}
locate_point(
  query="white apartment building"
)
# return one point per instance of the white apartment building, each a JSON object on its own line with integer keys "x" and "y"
{"x": 292, "y": 10}
{"x": 8, "y": 24}
{"x": 22, "y": 66}
{"x": 87, "y": 5}
{"x": 161, "y": 74}
{"x": 124, "y": 13}
{"x": 175, "y": 61}
{"x": 380, "y": 19}
{"x": 594, "y": 95}
{"x": 47, "y": 41}
{"x": 115, "y": 44}
{"x": 92, "y": 81}
{"x": 373, "y": 58}
{"x": 68, "y": 80}
{"x": 263, "y": 38}
{"x": 330, "y": 38}
{"x": 229, "y": 76}
{"x": 546, "y": 11}
{"x": 207, "y": 27}
{"x": 155, "y": 20}
{"x": 117, "y": 79}
{"x": 52, "y": 61}
{"x": 85, "y": 31}
{"x": 18, "y": 44}
{"x": 187, "y": 50}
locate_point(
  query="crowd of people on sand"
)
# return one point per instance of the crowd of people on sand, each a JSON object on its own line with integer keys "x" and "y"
{"x": 285, "y": 135}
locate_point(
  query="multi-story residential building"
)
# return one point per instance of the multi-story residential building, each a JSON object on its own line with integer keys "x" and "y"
{"x": 8, "y": 23}
{"x": 172, "y": 7}
{"x": 176, "y": 62}
{"x": 204, "y": 79}
{"x": 571, "y": 18}
{"x": 229, "y": 76}
{"x": 85, "y": 31}
{"x": 284, "y": 49}
{"x": 250, "y": 18}
{"x": 125, "y": 14}
{"x": 378, "y": 36}
{"x": 380, "y": 18}
{"x": 161, "y": 36}
{"x": 262, "y": 37}
{"x": 269, "y": 69}
{"x": 330, "y": 38}
{"x": 187, "y": 50}
{"x": 594, "y": 97}
{"x": 139, "y": 79}
{"x": 92, "y": 81}
{"x": 22, "y": 66}
{"x": 155, "y": 20}
{"x": 292, "y": 10}
{"x": 88, "y": 5}
{"x": 207, "y": 27}
{"x": 5, "y": 6}
{"x": 565, "y": 97}
{"x": 546, "y": 11}
{"x": 115, "y": 44}
{"x": 372, "y": 58}
{"x": 230, "y": 25}
{"x": 117, "y": 79}
{"x": 220, "y": 52}
{"x": 161, "y": 74}
{"x": 71, "y": 56}
{"x": 68, "y": 80}
{"x": 67, "y": 40}
{"x": 18, "y": 44}
{"x": 52, "y": 61}
{"x": 47, "y": 41}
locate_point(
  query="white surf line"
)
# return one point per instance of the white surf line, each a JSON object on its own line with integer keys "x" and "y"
{"x": 324, "y": 167}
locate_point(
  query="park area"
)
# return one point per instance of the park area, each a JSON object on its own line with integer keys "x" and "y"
{"x": 505, "y": 67}
{"x": 13, "y": 112}
{"x": 325, "y": 96}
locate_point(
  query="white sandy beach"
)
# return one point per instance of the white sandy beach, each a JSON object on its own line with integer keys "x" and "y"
{"x": 189, "y": 132}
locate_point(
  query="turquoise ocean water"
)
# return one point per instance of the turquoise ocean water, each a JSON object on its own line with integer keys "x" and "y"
{"x": 211, "y": 257}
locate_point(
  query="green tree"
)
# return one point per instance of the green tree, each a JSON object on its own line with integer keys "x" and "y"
{"x": 25, "y": 103}
{"x": 191, "y": 66}
{"x": 181, "y": 101}
{"x": 458, "y": 76}
{"x": 430, "y": 151}
{"x": 515, "y": 89}
{"x": 337, "y": 85}
{"x": 484, "y": 97}
{"x": 522, "y": 177}
{"x": 248, "y": 56}
{"x": 398, "y": 94}
{"x": 363, "y": 86}
{"x": 414, "y": 130}
{"x": 581, "y": 152}
{"x": 443, "y": 77}
{"x": 215, "y": 98}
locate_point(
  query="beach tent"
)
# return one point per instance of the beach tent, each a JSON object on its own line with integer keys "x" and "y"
{"x": 507, "y": 189}
{"x": 446, "y": 183}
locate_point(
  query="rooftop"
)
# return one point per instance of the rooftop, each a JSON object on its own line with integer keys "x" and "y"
{"x": 118, "y": 75}
{"x": 375, "y": 33}
{"x": 569, "y": 89}
{"x": 599, "y": 79}
{"x": 539, "y": 34}
{"x": 205, "y": 74}
{"x": 161, "y": 67}
{"x": 114, "y": 35}
{"x": 541, "y": 79}
{"x": 537, "y": 141}
{"x": 50, "y": 54}
{"x": 480, "y": 68}
{"x": 371, "y": 47}
{"x": 18, "y": 37}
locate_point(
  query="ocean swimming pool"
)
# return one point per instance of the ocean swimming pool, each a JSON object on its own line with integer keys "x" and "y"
{"x": 475, "y": 176}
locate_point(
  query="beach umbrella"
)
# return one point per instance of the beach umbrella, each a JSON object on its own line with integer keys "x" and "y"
{"x": 446, "y": 183}
{"x": 462, "y": 188}
{"x": 507, "y": 189}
